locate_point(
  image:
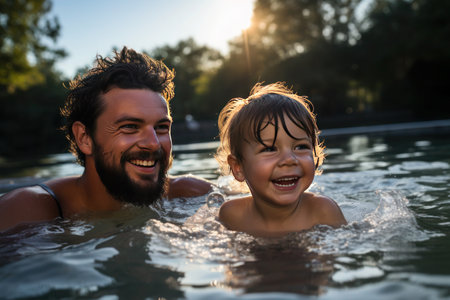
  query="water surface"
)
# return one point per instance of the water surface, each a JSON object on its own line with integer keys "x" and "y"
{"x": 394, "y": 191}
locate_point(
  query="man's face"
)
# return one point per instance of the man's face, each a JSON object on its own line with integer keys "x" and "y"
{"x": 132, "y": 145}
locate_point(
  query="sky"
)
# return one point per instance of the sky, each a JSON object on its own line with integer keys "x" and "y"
{"x": 91, "y": 27}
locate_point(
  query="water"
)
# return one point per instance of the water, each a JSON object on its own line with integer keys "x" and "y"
{"x": 394, "y": 191}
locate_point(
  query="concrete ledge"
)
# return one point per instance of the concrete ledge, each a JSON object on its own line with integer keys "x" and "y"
{"x": 398, "y": 128}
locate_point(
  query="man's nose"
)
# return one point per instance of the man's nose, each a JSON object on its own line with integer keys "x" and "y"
{"x": 149, "y": 140}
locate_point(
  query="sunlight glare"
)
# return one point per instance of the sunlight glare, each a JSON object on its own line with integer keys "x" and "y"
{"x": 232, "y": 18}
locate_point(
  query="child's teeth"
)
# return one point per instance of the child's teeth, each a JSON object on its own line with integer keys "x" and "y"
{"x": 286, "y": 182}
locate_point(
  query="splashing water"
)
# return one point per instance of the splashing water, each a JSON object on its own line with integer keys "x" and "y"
{"x": 215, "y": 199}
{"x": 395, "y": 245}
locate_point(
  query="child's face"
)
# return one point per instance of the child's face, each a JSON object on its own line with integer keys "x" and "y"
{"x": 278, "y": 174}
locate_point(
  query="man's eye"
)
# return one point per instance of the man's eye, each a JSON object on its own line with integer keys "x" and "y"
{"x": 128, "y": 126}
{"x": 162, "y": 128}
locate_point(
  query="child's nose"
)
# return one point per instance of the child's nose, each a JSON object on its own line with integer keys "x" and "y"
{"x": 288, "y": 158}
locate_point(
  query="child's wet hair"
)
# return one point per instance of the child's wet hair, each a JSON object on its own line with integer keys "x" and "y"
{"x": 243, "y": 120}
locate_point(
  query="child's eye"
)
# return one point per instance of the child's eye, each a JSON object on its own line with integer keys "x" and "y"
{"x": 268, "y": 149}
{"x": 303, "y": 147}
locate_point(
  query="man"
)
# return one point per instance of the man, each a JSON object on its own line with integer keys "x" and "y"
{"x": 118, "y": 125}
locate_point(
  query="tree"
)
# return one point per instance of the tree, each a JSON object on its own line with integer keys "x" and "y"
{"x": 294, "y": 26}
{"x": 24, "y": 26}
{"x": 302, "y": 42}
{"x": 30, "y": 88}
{"x": 392, "y": 56}
{"x": 404, "y": 57}
{"x": 190, "y": 62}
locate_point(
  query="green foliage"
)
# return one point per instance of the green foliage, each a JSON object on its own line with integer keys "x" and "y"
{"x": 394, "y": 56}
{"x": 23, "y": 28}
{"x": 30, "y": 122}
{"x": 405, "y": 56}
{"x": 294, "y": 26}
{"x": 320, "y": 75}
{"x": 304, "y": 43}
{"x": 30, "y": 89}
{"x": 190, "y": 62}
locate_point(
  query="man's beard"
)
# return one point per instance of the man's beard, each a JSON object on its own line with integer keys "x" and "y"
{"x": 122, "y": 187}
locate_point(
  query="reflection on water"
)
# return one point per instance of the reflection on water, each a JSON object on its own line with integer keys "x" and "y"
{"x": 71, "y": 268}
{"x": 394, "y": 193}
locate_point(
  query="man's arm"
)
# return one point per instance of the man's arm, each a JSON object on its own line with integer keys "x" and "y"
{"x": 26, "y": 205}
{"x": 188, "y": 186}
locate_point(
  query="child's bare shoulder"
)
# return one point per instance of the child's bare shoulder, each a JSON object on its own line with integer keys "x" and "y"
{"x": 233, "y": 211}
{"x": 324, "y": 209}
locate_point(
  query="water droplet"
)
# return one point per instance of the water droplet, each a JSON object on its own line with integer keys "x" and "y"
{"x": 215, "y": 199}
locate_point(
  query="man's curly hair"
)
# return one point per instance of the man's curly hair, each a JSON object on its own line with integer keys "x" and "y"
{"x": 128, "y": 69}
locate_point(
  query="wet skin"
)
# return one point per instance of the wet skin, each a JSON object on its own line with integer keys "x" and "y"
{"x": 132, "y": 136}
{"x": 132, "y": 140}
{"x": 278, "y": 173}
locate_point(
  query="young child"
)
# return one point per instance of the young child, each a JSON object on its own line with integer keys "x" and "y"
{"x": 270, "y": 141}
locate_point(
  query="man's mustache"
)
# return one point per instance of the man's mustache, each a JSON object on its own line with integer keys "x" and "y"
{"x": 144, "y": 155}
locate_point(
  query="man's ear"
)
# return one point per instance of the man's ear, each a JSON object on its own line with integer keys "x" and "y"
{"x": 236, "y": 168}
{"x": 82, "y": 138}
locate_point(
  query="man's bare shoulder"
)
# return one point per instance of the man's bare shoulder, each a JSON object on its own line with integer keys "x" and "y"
{"x": 26, "y": 205}
{"x": 324, "y": 210}
{"x": 187, "y": 186}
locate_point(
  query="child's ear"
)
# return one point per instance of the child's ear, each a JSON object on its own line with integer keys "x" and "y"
{"x": 236, "y": 168}
{"x": 82, "y": 138}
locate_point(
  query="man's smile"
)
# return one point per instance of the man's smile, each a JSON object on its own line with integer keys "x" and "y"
{"x": 143, "y": 163}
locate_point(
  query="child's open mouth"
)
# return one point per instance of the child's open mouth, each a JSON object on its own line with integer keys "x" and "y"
{"x": 286, "y": 181}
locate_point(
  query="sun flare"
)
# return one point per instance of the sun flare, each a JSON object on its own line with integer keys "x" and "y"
{"x": 233, "y": 16}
